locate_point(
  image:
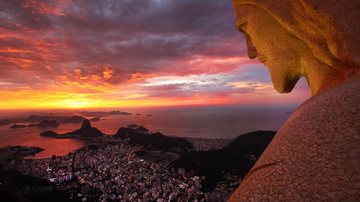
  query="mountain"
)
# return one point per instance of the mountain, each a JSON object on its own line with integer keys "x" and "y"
{"x": 41, "y": 124}
{"x": 153, "y": 141}
{"x": 86, "y": 131}
{"x": 60, "y": 119}
{"x": 41, "y": 118}
{"x": 253, "y": 143}
{"x": 46, "y": 124}
{"x": 18, "y": 126}
{"x": 51, "y": 134}
{"x": 236, "y": 158}
{"x": 213, "y": 164}
{"x": 103, "y": 114}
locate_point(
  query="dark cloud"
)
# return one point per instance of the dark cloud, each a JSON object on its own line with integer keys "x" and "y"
{"x": 132, "y": 36}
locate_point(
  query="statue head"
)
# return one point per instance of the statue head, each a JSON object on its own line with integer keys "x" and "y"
{"x": 312, "y": 38}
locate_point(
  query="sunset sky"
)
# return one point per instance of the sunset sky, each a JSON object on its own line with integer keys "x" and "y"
{"x": 128, "y": 53}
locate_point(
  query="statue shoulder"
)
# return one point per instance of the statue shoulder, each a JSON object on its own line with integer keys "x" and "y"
{"x": 332, "y": 113}
{"x": 317, "y": 149}
{"x": 341, "y": 102}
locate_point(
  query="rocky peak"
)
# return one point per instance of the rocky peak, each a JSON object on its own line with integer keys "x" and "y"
{"x": 86, "y": 124}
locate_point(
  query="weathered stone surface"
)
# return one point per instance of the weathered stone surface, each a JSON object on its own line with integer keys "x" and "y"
{"x": 316, "y": 153}
{"x": 312, "y": 38}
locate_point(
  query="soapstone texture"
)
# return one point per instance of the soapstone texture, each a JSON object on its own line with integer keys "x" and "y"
{"x": 319, "y": 38}
{"x": 315, "y": 155}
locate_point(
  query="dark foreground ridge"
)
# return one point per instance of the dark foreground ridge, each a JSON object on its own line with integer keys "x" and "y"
{"x": 10, "y": 153}
{"x": 235, "y": 159}
{"x": 17, "y": 187}
{"x": 251, "y": 144}
{"x": 138, "y": 135}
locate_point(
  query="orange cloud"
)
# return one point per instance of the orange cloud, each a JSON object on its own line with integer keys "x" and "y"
{"x": 46, "y": 8}
{"x": 64, "y": 53}
{"x": 107, "y": 72}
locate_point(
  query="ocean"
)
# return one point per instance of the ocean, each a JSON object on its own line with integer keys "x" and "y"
{"x": 206, "y": 122}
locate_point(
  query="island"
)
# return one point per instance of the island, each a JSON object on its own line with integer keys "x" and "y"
{"x": 103, "y": 114}
{"x": 86, "y": 131}
{"x": 41, "y": 124}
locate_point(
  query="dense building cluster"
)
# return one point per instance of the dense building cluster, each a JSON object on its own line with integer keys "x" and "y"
{"x": 204, "y": 144}
{"x": 111, "y": 171}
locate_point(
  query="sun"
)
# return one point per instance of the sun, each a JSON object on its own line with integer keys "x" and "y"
{"x": 75, "y": 103}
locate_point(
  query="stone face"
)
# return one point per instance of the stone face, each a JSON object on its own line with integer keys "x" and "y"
{"x": 316, "y": 153}
{"x": 310, "y": 38}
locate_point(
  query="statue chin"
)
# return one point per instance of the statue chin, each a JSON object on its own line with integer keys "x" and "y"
{"x": 282, "y": 89}
{"x": 287, "y": 87}
{"x": 282, "y": 83}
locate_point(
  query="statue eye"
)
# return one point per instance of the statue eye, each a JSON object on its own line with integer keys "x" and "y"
{"x": 242, "y": 28}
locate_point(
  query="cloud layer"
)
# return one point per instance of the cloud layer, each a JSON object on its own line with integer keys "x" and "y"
{"x": 121, "y": 50}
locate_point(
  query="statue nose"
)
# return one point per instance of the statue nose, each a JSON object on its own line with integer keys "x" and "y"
{"x": 251, "y": 50}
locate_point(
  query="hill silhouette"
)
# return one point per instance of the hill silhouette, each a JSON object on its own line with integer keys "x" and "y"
{"x": 253, "y": 143}
{"x": 236, "y": 158}
{"x": 24, "y": 188}
{"x": 153, "y": 141}
{"x": 86, "y": 131}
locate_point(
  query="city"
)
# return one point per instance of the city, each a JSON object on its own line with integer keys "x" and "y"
{"x": 110, "y": 170}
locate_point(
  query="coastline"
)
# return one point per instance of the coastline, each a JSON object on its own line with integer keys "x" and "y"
{"x": 72, "y": 169}
{"x": 120, "y": 167}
